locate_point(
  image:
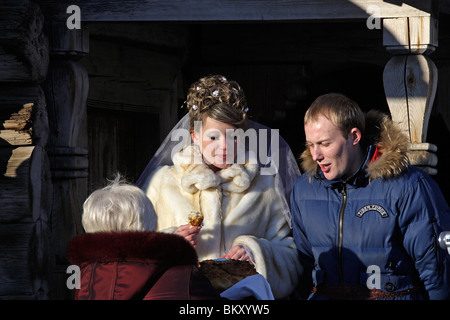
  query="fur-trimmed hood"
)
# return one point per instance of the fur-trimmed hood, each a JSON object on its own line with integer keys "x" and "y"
{"x": 131, "y": 245}
{"x": 389, "y": 155}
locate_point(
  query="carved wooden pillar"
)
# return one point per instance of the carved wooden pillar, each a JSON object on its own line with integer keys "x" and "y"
{"x": 410, "y": 82}
{"x": 66, "y": 90}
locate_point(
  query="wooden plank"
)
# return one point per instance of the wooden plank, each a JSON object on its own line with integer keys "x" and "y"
{"x": 410, "y": 84}
{"x": 417, "y": 35}
{"x": 67, "y": 162}
{"x": 269, "y": 44}
{"x": 421, "y": 84}
{"x": 23, "y": 116}
{"x": 66, "y": 89}
{"x": 131, "y": 79}
{"x": 396, "y": 35}
{"x": 233, "y": 10}
{"x": 15, "y": 138}
{"x": 15, "y": 275}
{"x": 395, "y": 89}
{"x": 68, "y": 195}
{"x": 17, "y": 163}
{"x": 14, "y": 96}
{"x": 20, "y": 120}
{"x": 111, "y": 105}
{"x": 423, "y": 34}
{"x": 65, "y": 41}
{"x": 14, "y": 180}
{"x": 40, "y": 259}
{"x": 12, "y": 68}
{"x": 171, "y": 38}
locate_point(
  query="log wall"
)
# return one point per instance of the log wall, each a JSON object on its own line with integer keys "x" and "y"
{"x": 136, "y": 90}
{"x": 25, "y": 193}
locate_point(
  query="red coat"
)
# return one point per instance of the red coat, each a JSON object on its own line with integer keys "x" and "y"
{"x": 138, "y": 265}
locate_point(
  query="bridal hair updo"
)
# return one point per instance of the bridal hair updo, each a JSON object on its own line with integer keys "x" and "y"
{"x": 218, "y": 98}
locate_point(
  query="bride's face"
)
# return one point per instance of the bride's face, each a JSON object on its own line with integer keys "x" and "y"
{"x": 217, "y": 143}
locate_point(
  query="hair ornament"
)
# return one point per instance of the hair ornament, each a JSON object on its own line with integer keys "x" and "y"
{"x": 194, "y": 107}
{"x": 215, "y": 93}
{"x": 246, "y": 110}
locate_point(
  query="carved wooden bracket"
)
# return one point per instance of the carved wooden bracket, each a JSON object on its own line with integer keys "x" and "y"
{"x": 410, "y": 82}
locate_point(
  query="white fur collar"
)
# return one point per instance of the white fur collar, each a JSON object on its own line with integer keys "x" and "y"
{"x": 195, "y": 175}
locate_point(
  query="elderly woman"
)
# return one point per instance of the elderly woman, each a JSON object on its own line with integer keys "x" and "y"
{"x": 244, "y": 209}
{"x": 121, "y": 259}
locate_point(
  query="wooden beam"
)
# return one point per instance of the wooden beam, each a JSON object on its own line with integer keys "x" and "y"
{"x": 417, "y": 35}
{"x": 234, "y": 10}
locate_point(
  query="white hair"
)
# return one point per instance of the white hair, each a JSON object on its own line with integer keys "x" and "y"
{"x": 119, "y": 206}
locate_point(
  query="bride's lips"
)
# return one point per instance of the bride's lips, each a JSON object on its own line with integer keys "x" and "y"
{"x": 221, "y": 157}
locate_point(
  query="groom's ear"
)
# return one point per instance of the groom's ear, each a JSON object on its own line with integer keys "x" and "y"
{"x": 356, "y": 135}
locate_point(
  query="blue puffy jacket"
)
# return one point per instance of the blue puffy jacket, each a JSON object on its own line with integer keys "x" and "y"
{"x": 377, "y": 230}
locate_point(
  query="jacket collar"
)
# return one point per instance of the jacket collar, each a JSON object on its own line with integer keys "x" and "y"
{"x": 195, "y": 175}
{"x": 386, "y": 156}
{"x": 131, "y": 245}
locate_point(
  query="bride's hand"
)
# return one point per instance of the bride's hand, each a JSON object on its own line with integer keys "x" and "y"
{"x": 189, "y": 233}
{"x": 238, "y": 253}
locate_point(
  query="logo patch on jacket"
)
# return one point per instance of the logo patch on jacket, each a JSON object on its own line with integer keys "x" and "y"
{"x": 372, "y": 207}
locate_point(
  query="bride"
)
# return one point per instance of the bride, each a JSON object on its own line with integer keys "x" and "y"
{"x": 212, "y": 173}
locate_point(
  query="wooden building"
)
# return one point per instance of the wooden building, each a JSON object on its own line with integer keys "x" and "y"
{"x": 83, "y": 98}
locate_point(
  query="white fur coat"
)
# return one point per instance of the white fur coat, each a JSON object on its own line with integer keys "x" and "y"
{"x": 251, "y": 208}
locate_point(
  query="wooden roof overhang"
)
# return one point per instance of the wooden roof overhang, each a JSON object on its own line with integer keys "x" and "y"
{"x": 409, "y": 34}
{"x": 237, "y": 10}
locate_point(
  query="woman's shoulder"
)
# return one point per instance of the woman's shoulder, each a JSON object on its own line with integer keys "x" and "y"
{"x": 163, "y": 170}
{"x": 159, "y": 175}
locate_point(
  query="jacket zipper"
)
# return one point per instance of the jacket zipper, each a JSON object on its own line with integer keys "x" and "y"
{"x": 343, "y": 191}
